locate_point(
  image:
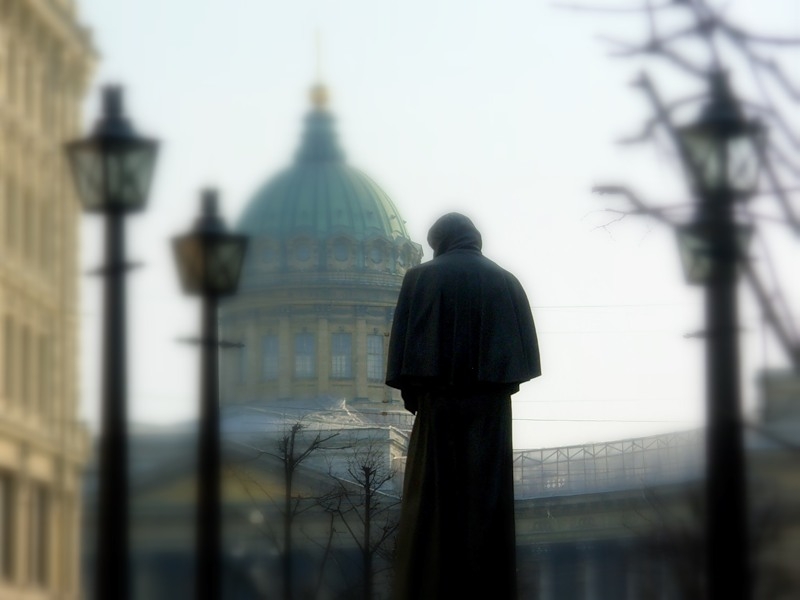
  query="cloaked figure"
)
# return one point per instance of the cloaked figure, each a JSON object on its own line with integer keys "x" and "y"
{"x": 463, "y": 339}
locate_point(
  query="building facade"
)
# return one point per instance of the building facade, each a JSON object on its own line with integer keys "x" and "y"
{"x": 45, "y": 62}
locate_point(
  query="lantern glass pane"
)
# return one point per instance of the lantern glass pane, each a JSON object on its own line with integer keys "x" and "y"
{"x": 115, "y": 175}
{"x": 695, "y": 253}
{"x": 86, "y": 166}
{"x": 743, "y": 164}
{"x": 708, "y": 155}
{"x": 224, "y": 264}
{"x": 191, "y": 262}
{"x": 129, "y": 171}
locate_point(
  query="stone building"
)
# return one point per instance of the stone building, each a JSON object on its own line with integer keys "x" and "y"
{"x": 46, "y": 58}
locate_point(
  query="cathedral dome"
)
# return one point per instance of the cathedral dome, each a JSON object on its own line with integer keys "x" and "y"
{"x": 325, "y": 261}
{"x": 320, "y": 194}
{"x": 321, "y": 214}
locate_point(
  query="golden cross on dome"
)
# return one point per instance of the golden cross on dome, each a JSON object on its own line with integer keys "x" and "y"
{"x": 319, "y": 92}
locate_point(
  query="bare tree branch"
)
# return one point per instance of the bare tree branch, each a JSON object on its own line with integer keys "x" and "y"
{"x": 639, "y": 204}
{"x": 745, "y": 37}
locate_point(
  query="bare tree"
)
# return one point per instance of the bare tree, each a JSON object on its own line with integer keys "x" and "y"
{"x": 691, "y": 39}
{"x": 365, "y": 509}
{"x": 291, "y": 450}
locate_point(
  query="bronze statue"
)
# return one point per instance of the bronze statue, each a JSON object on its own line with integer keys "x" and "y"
{"x": 462, "y": 341}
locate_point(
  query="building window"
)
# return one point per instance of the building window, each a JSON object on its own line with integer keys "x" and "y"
{"x": 29, "y": 96}
{"x": 304, "y": 355}
{"x": 9, "y": 358}
{"x": 269, "y": 358}
{"x": 7, "y": 522}
{"x": 43, "y": 377}
{"x": 11, "y": 216}
{"x": 341, "y": 356}
{"x": 39, "y": 534}
{"x": 45, "y": 241}
{"x": 375, "y": 358}
{"x": 28, "y": 227}
{"x": 25, "y": 368}
{"x": 11, "y": 73}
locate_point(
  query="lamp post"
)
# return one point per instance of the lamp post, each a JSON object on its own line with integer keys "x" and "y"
{"x": 721, "y": 154}
{"x": 113, "y": 169}
{"x": 209, "y": 262}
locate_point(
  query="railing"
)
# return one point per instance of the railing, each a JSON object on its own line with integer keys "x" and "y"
{"x": 608, "y": 466}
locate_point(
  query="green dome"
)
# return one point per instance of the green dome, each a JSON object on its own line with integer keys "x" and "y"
{"x": 321, "y": 196}
{"x": 323, "y": 219}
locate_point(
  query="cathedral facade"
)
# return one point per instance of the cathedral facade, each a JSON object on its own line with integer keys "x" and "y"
{"x": 328, "y": 251}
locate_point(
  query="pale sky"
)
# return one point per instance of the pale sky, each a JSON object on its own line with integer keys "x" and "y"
{"x": 506, "y": 111}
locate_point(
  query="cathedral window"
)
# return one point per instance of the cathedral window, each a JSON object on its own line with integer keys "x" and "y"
{"x": 269, "y": 357}
{"x": 304, "y": 355}
{"x": 302, "y": 252}
{"x": 342, "y": 356}
{"x": 341, "y": 250}
{"x": 375, "y": 357}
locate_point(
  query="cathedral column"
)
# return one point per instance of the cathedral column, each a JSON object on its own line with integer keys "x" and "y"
{"x": 284, "y": 356}
{"x": 589, "y": 568}
{"x": 323, "y": 351}
{"x": 360, "y": 342}
{"x": 252, "y": 352}
{"x": 545, "y": 578}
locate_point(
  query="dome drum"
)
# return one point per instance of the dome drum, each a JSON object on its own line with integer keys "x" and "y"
{"x": 304, "y": 253}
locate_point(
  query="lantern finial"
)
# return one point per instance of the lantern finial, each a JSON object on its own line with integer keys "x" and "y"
{"x": 209, "y": 199}
{"x": 112, "y": 101}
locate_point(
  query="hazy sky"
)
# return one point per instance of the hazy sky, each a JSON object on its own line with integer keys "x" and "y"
{"x": 507, "y": 111}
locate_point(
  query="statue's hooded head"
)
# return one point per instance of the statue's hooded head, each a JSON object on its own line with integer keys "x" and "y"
{"x": 453, "y": 231}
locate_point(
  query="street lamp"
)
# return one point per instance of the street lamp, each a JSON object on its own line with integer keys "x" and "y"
{"x": 209, "y": 262}
{"x": 112, "y": 169}
{"x": 722, "y": 148}
{"x": 721, "y": 153}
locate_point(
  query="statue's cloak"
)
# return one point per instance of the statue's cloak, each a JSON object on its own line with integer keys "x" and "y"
{"x": 462, "y": 341}
{"x": 461, "y": 319}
